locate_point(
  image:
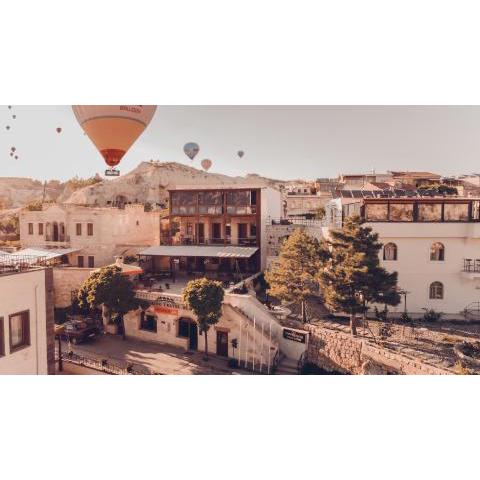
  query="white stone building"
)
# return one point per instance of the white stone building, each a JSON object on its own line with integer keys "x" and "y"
{"x": 26, "y": 321}
{"x": 433, "y": 244}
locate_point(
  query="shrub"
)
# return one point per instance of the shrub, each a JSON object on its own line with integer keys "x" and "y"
{"x": 431, "y": 315}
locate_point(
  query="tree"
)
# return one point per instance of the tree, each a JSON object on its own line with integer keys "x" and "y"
{"x": 320, "y": 213}
{"x": 204, "y": 297}
{"x": 354, "y": 276}
{"x": 294, "y": 277}
{"x": 109, "y": 288}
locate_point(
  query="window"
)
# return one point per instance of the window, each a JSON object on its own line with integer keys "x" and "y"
{"x": 436, "y": 291}
{"x": 437, "y": 252}
{"x": 2, "y": 339}
{"x": 390, "y": 252}
{"x": 91, "y": 261}
{"x": 40, "y": 228}
{"x": 148, "y": 322}
{"x": 30, "y": 228}
{"x": 80, "y": 261}
{"x": 253, "y": 230}
{"x": 19, "y": 330}
{"x": 90, "y": 229}
{"x": 79, "y": 229}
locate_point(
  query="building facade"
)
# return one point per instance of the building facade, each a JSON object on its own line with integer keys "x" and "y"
{"x": 433, "y": 244}
{"x": 94, "y": 236}
{"x": 27, "y": 344}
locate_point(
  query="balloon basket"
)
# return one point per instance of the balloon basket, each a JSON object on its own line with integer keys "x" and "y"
{"x": 112, "y": 172}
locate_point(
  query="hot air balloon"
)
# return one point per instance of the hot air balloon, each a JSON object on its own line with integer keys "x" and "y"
{"x": 14, "y": 117}
{"x": 241, "y": 153}
{"x": 113, "y": 128}
{"x": 9, "y": 106}
{"x": 206, "y": 164}
{"x": 8, "y": 127}
{"x": 11, "y": 154}
{"x": 191, "y": 149}
{"x": 16, "y": 157}
{"x": 13, "y": 149}
{"x": 59, "y": 130}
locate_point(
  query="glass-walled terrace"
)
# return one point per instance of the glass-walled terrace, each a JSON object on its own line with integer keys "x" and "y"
{"x": 422, "y": 211}
{"x": 215, "y": 202}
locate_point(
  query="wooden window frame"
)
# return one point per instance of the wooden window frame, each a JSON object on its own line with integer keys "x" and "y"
{"x": 30, "y": 228}
{"x": 26, "y": 330}
{"x": 91, "y": 261}
{"x": 89, "y": 229}
{"x": 82, "y": 262}
{"x": 78, "y": 229}
{"x": 40, "y": 228}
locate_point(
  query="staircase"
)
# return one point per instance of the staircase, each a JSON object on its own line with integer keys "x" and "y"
{"x": 287, "y": 366}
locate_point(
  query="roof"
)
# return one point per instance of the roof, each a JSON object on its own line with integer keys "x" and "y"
{"x": 230, "y": 186}
{"x": 45, "y": 254}
{"x": 416, "y": 174}
{"x": 199, "y": 251}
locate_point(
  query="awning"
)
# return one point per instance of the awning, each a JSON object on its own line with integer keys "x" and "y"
{"x": 199, "y": 251}
{"x": 43, "y": 254}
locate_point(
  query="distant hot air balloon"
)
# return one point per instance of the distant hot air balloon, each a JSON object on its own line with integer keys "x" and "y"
{"x": 14, "y": 117}
{"x": 11, "y": 154}
{"x": 113, "y": 128}
{"x": 13, "y": 149}
{"x": 241, "y": 153}
{"x": 8, "y": 127}
{"x": 9, "y": 106}
{"x": 206, "y": 164}
{"x": 16, "y": 157}
{"x": 191, "y": 149}
{"x": 59, "y": 130}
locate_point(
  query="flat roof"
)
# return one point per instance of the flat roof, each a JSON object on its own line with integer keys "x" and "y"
{"x": 44, "y": 253}
{"x": 216, "y": 187}
{"x": 219, "y": 251}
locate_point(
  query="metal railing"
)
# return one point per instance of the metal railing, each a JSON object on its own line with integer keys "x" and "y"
{"x": 104, "y": 365}
{"x": 471, "y": 265}
{"x": 312, "y": 222}
{"x": 195, "y": 241}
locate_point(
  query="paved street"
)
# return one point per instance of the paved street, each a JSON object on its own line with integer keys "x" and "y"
{"x": 157, "y": 358}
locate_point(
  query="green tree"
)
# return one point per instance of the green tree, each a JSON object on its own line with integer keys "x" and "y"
{"x": 354, "y": 276}
{"x": 294, "y": 277}
{"x": 113, "y": 291}
{"x": 320, "y": 213}
{"x": 204, "y": 297}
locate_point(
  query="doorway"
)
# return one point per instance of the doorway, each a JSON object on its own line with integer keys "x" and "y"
{"x": 193, "y": 336}
{"x": 201, "y": 233}
{"x": 222, "y": 344}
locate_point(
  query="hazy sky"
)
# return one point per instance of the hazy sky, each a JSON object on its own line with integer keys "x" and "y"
{"x": 279, "y": 142}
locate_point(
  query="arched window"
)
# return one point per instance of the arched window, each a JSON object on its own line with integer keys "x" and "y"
{"x": 390, "y": 251}
{"x": 436, "y": 291}
{"x": 437, "y": 252}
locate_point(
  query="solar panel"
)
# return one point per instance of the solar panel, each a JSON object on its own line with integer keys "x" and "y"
{"x": 357, "y": 194}
{"x": 368, "y": 194}
{"x": 346, "y": 194}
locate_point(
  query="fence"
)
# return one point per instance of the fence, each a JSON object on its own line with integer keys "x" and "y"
{"x": 104, "y": 365}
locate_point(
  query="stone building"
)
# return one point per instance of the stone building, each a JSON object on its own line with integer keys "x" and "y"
{"x": 26, "y": 319}
{"x": 92, "y": 236}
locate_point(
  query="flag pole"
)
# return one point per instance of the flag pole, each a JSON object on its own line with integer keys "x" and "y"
{"x": 261, "y": 351}
{"x": 269, "y": 348}
{"x": 254, "y": 345}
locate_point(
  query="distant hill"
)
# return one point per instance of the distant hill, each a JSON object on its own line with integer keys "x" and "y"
{"x": 149, "y": 182}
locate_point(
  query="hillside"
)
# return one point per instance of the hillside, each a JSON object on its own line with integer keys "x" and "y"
{"x": 149, "y": 182}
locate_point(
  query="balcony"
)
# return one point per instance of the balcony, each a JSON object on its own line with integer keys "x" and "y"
{"x": 471, "y": 268}
{"x": 239, "y": 242}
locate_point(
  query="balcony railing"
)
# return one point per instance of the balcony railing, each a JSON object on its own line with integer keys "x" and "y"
{"x": 59, "y": 238}
{"x": 471, "y": 265}
{"x": 244, "y": 242}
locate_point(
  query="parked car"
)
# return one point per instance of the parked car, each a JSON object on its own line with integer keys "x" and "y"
{"x": 80, "y": 330}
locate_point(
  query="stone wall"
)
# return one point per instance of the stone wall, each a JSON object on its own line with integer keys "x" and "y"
{"x": 66, "y": 279}
{"x": 338, "y": 351}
